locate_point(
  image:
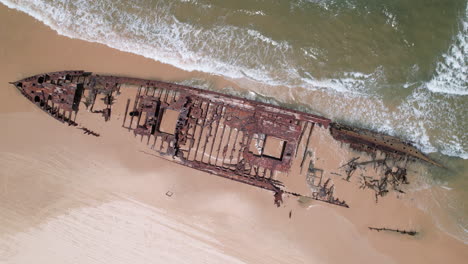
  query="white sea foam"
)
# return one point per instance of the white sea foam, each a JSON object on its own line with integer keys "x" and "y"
{"x": 261, "y": 37}
{"x": 452, "y": 71}
{"x": 427, "y": 113}
{"x": 391, "y": 18}
{"x": 252, "y": 13}
{"x": 325, "y": 4}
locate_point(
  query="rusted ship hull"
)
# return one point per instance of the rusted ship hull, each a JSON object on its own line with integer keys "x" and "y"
{"x": 235, "y": 138}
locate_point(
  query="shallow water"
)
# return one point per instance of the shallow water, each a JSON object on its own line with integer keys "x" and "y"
{"x": 395, "y": 66}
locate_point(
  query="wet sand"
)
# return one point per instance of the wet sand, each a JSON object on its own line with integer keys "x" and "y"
{"x": 66, "y": 197}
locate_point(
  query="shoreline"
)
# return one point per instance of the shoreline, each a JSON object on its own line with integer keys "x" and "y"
{"x": 378, "y": 114}
{"x": 126, "y": 173}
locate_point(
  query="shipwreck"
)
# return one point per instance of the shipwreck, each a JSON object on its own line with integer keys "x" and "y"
{"x": 232, "y": 137}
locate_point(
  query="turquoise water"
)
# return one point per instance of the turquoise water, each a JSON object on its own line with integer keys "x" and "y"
{"x": 396, "y": 66}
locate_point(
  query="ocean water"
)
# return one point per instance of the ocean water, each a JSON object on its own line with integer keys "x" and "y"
{"x": 395, "y": 66}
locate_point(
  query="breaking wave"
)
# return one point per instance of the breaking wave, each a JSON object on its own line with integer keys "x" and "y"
{"x": 452, "y": 72}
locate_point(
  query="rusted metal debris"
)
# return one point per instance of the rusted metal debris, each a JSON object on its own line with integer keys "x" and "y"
{"x": 231, "y": 137}
{"x": 351, "y": 167}
{"x": 89, "y": 132}
{"x": 403, "y": 232}
{"x": 322, "y": 189}
{"x": 393, "y": 178}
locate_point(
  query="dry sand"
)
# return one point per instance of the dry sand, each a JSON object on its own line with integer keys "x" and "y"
{"x": 66, "y": 197}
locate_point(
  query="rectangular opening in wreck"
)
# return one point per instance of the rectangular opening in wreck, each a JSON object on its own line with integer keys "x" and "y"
{"x": 257, "y": 143}
{"x": 77, "y": 97}
{"x": 143, "y": 116}
{"x": 274, "y": 147}
{"x": 169, "y": 121}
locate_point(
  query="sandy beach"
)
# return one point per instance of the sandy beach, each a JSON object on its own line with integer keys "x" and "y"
{"x": 67, "y": 197}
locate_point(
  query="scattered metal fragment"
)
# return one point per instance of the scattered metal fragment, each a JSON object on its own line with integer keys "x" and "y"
{"x": 351, "y": 167}
{"x": 323, "y": 191}
{"x": 404, "y": 232}
{"x": 307, "y": 153}
{"x": 393, "y": 178}
{"x": 370, "y": 162}
{"x": 89, "y": 132}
